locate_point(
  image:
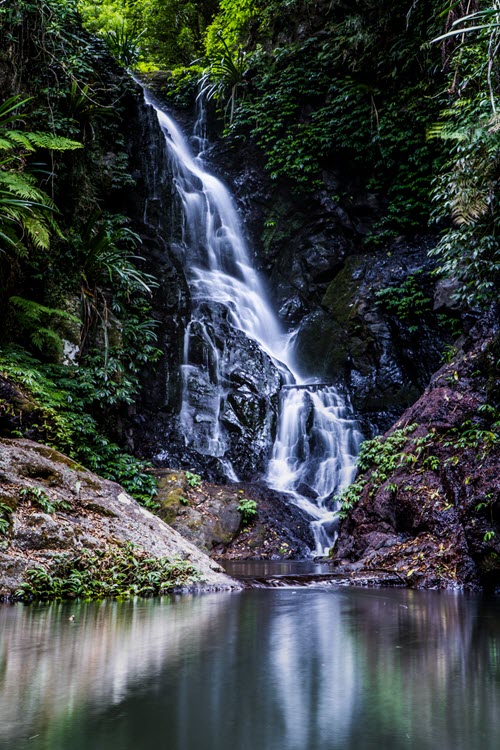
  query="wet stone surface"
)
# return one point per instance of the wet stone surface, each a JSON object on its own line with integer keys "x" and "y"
{"x": 208, "y": 515}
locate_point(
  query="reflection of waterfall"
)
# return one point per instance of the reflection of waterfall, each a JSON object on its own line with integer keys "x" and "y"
{"x": 316, "y": 441}
{"x": 294, "y": 669}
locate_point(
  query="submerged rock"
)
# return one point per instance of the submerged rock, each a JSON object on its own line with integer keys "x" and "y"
{"x": 51, "y": 505}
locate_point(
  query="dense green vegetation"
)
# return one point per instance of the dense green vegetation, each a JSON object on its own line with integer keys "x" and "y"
{"x": 74, "y": 301}
{"x": 402, "y": 95}
{"x": 117, "y": 572}
{"x": 383, "y": 460}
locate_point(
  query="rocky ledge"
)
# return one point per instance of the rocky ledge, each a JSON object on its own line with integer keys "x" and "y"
{"x": 427, "y": 509}
{"x": 234, "y": 522}
{"x": 51, "y": 506}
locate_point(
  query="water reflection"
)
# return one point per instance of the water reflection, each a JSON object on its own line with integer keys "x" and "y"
{"x": 308, "y": 669}
{"x": 267, "y": 568}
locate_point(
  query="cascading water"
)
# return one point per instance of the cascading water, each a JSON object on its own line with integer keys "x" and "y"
{"x": 316, "y": 440}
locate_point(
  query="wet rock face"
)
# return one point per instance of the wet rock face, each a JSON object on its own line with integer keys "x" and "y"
{"x": 150, "y": 203}
{"x": 209, "y": 516}
{"x": 385, "y": 362}
{"x": 230, "y": 396}
{"x": 251, "y": 403}
{"x": 324, "y": 282}
{"x": 58, "y": 507}
{"x": 435, "y": 519}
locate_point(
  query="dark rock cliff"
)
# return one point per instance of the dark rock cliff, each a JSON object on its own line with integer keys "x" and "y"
{"x": 435, "y": 518}
{"x": 324, "y": 281}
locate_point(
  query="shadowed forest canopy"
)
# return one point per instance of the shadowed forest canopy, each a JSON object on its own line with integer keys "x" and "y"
{"x": 394, "y": 102}
{"x": 403, "y": 93}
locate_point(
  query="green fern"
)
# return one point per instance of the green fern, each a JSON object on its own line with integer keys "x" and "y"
{"x": 26, "y": 211}
{"x": 33, "y": 318}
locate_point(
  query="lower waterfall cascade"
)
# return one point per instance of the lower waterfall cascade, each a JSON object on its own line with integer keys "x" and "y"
{"x": 311, "y": 456}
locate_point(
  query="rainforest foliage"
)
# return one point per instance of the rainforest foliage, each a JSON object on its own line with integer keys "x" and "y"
{"x": 402, "y": 97}
{"x": 74, "y": 298}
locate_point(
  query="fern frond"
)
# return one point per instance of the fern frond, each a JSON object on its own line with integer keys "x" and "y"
{"x": 52, "y": 142}
{"x": 34, "y": 312}
{"x": 23, "y": 185}
{"x": 46, "y": 338}
{"x": 19, "y": 138}
{"x": 38, "y": 232}
{"x": 445, "y": 131}
{"x": 6, "y": 144}
{"x": 468, "y": 207}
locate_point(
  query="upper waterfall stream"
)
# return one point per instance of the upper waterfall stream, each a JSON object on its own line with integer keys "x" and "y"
{"x": 316, "y": 439}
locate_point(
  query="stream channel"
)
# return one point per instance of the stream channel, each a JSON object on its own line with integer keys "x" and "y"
{"x": 320, "y": 667}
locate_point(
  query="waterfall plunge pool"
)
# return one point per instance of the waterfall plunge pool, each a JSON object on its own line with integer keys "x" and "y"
{"x": 318, "y": 668}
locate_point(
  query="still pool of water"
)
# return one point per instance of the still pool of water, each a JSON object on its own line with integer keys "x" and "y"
{"x": 319, "y": 668}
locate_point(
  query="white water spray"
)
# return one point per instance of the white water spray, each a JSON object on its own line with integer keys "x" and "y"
{"x": 313, "y": 456}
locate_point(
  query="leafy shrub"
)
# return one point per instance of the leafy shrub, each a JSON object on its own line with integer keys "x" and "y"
{"x": 194, "y": 480}
{"x": 124, "y": 45}
{"x": 182, "y": 86}
{"x": 248, "y": 510}
{"x": 118, "y": 572}
{"x": 381, "y": 456}
{"x": 408, "y": 302}
{"x": 465, "y": 189}
{"x": 62, "y": 421}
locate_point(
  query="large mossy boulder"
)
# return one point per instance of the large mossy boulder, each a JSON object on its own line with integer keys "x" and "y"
{"x": 213, "y": 517}
{"x": 51, "y": 506}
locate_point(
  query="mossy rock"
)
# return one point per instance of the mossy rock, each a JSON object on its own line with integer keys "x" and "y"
{"x": 59, "y": 458}
{"x": 342, "y": 295}
{"x": 171, "y": 504}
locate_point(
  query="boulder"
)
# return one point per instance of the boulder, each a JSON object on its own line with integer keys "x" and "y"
{"x": 209, "y": 516}
{"x": 57, "y": 507}
{"x": 433, "y": 517}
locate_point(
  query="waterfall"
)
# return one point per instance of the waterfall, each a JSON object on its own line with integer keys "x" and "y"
{"x": 316, "y": 439}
